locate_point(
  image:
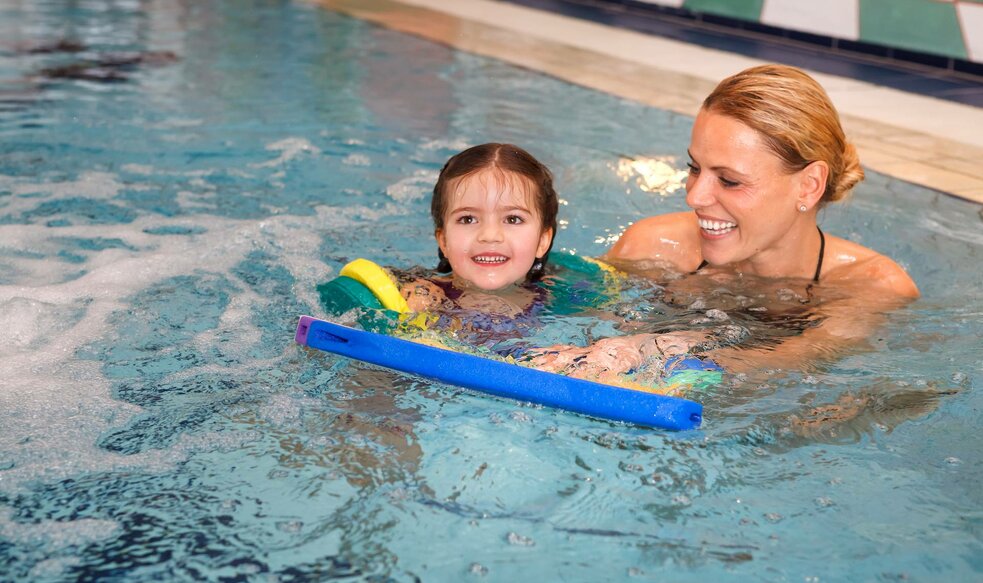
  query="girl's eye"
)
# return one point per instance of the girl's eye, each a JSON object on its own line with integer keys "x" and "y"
{"x": 466, "y": 219}
{"x": 514, "y": 220}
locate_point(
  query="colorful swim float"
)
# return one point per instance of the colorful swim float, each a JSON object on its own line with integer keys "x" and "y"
{"x": 369, "y": 293}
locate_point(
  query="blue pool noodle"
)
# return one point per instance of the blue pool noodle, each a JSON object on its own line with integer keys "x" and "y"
{"x": 501, "y": 378}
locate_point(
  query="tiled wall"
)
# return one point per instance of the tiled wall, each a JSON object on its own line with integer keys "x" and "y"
{"x": 948, "y": 28}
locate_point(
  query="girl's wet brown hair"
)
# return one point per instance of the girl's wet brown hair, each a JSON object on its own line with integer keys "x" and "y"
{"x": 795, "y": 116}
{"x": 507, "y": 159}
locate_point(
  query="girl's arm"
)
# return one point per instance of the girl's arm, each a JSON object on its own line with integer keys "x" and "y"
{"x": 422, "y": 295}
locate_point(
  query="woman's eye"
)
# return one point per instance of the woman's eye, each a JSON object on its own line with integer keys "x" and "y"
{"x": 692, "y": 168}
{"x": 514, "y": 220}
{"x": 728, "y": 183}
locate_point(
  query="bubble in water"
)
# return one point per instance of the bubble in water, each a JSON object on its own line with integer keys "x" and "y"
{"x": 290, "y": 526}
{"x": 519, "y": 540}
{"x": 953, "y": 461}
{"x": 718, "y": 315}
{"x": 521, "y": 416}
{"x": 412, "y": 188}
{"x": 824, "y": 502}
{"x": 356, "y": 160}
{"x": 478, "y": 569}
{"x": 787, "y": 295}
{"x": 53, "y": 568}
{"x": 635, "y": 572}
{"x": 773, "y": 517}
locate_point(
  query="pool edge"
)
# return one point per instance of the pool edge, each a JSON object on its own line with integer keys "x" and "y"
{"x": 608, "y": 59}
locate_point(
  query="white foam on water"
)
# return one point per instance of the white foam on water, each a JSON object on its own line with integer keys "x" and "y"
{"x": 60, "y": 539}
{"x": 196, "y": 201}
{"x": 24, "y": 321}
{"x": 55, "y": 535}
{"x": 455, "y": 145}
{"x": 55, "y": 407}
{"x": 290, "y": 148}
{"x": 414, "y": 187}
{"x": 92, "y": 184}
{"x": 356, "y": 160}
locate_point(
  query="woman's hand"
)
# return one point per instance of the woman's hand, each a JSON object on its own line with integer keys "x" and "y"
{"x": 603, "y": 361}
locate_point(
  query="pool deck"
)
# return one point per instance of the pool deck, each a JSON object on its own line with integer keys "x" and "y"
{"x": 917, "y": 138}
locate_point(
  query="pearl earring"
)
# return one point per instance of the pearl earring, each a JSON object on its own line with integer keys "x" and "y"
{"x": 803, "y": 208}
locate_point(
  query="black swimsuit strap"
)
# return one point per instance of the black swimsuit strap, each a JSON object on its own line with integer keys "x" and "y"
{"x": 819, "y": 264}
{"x": 822, "y": 251}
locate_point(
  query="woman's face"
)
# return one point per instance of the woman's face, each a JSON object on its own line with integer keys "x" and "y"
{"x": 492, "y": 230}
{"x": 744, "y": 198}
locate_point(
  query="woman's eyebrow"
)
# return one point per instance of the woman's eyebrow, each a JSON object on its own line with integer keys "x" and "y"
{"x": 717, "y": 168}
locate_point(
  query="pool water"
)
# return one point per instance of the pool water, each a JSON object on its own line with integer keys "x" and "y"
{"x": 177, "y": 178}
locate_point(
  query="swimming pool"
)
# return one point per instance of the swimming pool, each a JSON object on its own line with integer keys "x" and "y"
{"x": 173, "y": 189}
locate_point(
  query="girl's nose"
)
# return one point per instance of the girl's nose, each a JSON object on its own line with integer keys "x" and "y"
{"x": 490, "y": 232}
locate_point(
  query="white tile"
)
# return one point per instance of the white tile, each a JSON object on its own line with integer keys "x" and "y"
{"x": 852, "y": 97}
{"x": 971, "y": 20}
{"x": 836, "y": 18}
{"x": 673, "y": 3}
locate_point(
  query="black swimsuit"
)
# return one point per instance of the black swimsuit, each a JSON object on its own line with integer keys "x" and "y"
{"x": 819, "y": 264}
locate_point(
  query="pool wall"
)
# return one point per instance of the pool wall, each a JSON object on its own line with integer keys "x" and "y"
{"x": 889, "y": 127}
{"x": 952, "y": 29}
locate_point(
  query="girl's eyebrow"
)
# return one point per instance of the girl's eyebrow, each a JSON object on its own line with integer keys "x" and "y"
{"x": 471, "y": 209}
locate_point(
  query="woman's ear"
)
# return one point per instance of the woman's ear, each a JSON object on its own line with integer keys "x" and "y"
{"x": 812, "y": 183}
{"x": 545, "y": 240}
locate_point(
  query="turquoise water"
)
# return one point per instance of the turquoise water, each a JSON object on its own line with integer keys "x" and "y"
{"x": 172, "y": 192}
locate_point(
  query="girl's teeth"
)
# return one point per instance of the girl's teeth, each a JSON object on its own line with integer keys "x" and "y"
{"x": 498, "y": 259}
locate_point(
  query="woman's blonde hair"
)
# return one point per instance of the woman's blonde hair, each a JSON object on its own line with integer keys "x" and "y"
{"x": 797, "y": 119}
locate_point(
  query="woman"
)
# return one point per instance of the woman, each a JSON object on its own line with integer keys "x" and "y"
{"x": 767, "y": 153}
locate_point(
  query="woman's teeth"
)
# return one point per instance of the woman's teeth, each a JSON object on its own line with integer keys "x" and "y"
{"x": 717, "y": 227}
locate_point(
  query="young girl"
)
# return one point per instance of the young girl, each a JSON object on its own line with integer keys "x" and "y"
{"x": 494, "y": 212}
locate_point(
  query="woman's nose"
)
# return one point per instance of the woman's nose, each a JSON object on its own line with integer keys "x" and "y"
{"x": 699, "y": 192}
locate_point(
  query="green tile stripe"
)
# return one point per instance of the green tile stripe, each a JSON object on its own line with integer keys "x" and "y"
{"x": 920, "y": 25}
{"x": 926, "y": 26}
{"x": 742, "y": 9}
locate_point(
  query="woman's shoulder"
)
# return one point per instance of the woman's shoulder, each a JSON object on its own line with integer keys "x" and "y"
{"x": 852, "y": 262}
{"x": 672, "y": 237}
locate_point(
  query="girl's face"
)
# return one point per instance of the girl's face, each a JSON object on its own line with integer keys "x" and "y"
{"x": 744, "y": 198}
{"x": 492, "y": 230}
